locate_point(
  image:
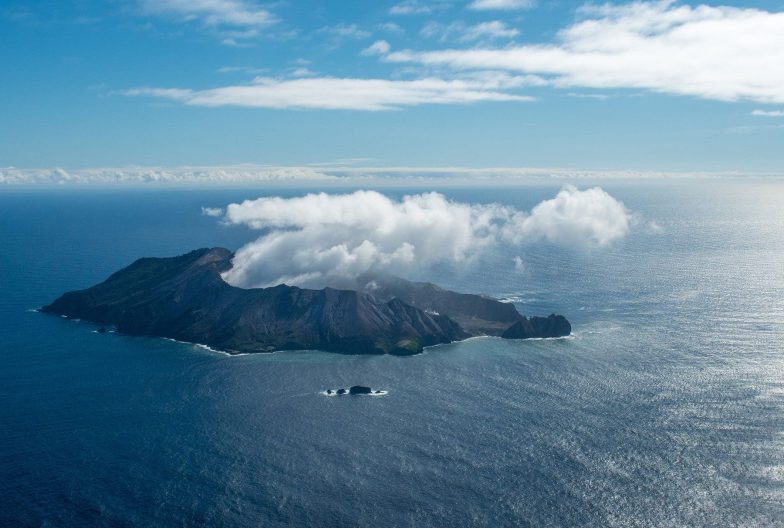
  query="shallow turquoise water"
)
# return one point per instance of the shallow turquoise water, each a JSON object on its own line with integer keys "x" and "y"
{"x": 665, "y": 409}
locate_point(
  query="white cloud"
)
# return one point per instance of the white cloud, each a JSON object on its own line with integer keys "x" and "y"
{"x": 484, "y": 30}
{"x": 379, "y": 47}
{"x": 238, "y": 13}
{"x": 352, "y": 31}
{"x": 339, "y": 172}
{"x": 519, "y": 264}
{"x": 302, "y": 72}
{"x": 768, "y": 113}
{"x": 163, "y": 175}
{"x": 504, "y": 5}
{"x": 321, "y": 239}
{"x": 212, "y": 211}
{"x": 573, "y": 217}
{"x": 410, "y": 7}
{"x": 340, "y": 93}
{"x": 721, "y": 53}
{"x": 391, "y": 27}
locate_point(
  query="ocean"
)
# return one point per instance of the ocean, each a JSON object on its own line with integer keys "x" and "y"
{"x": 665, "y": 408}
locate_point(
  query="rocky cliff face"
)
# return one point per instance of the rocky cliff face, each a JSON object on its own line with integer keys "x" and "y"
{"x": 185, "y": 298}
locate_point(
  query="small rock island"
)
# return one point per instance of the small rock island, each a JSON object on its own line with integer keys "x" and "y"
{"x": 185, "y": 298}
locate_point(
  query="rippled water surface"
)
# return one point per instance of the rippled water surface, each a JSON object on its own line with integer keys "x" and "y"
{"x": 666, "y": 408}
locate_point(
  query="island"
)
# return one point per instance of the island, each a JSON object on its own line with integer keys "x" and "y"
{"x": 185, "y": 298}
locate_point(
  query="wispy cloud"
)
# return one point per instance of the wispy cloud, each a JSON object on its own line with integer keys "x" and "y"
{"x": 163, "y": 175}
{"x": 234, "y": 20}
{"x": 503, "y": 5}
{"x": 339, "y": 172}
{"x": 720, "y": 53}
{"x": 333, "y": 93}
{"x": 410, "y": 7}
{"x": 379, "y": 47}
{"x": 768, "y": 113}
{"x": 351, "y": 31}
{"x": 484, "y": 30}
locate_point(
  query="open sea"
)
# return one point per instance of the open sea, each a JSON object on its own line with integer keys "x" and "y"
{"x": 666, "y": 408}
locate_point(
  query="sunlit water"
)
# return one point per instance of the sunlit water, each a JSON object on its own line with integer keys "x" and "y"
{"x": 665, "y": 409}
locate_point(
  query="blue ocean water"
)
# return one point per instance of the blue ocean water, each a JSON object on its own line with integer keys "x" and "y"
{"x": 665, "y": 409}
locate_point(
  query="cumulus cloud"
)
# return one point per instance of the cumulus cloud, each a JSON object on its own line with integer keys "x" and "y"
{"x": 505, "y": 5}
{"x": 321, "y": 239}
{"x": 720, "y": 53}
{"x": 573, "y": 217}
{"x": 333, "y": 93}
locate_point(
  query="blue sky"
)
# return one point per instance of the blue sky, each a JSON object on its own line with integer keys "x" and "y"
{"x": 664, "y": 86}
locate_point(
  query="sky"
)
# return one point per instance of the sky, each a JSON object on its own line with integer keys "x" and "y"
{"x": 638, "y": 86}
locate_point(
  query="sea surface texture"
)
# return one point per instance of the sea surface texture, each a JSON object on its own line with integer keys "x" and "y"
{"x": 666, "y": 408}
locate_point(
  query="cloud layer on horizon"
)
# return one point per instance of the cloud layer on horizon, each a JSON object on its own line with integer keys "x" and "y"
{"x": 330, "y": 239}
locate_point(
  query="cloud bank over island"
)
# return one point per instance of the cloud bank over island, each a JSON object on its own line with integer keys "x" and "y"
{"x": 330, "y": 239}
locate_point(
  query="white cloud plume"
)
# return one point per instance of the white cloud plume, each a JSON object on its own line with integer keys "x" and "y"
{"x": 333, "y": 93}
{"x": 573, "y": 217}
{"x": 504, "y": 5}
{"x": 321, "y": 239}
{"x": 720, "y": 53}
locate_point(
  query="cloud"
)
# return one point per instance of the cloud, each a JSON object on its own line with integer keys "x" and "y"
{"x": 391, "y": 27}
{"x": 212, "y": 211}
{"x": 339, "y": 172}
{"x": 333, "y": 93}
{"x": 163, "y": 175}
{"x": 573, "y": 217}
{"x": 330, "y": 239}
{"x": 484, "y": 30}
{"x": 719, "y": 53}
{"x": 351, "y": 31}
{"x": 237, "y": 13}
{"x": 379, "y": 47}
{"x": 410, "y": 7}
{"x": 504, "y": 5}
{"x": 768, "y": 113}
{"x": 234, "y": 22}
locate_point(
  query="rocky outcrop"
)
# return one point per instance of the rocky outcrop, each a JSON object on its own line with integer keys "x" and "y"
{"x": 551, "y": 326}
